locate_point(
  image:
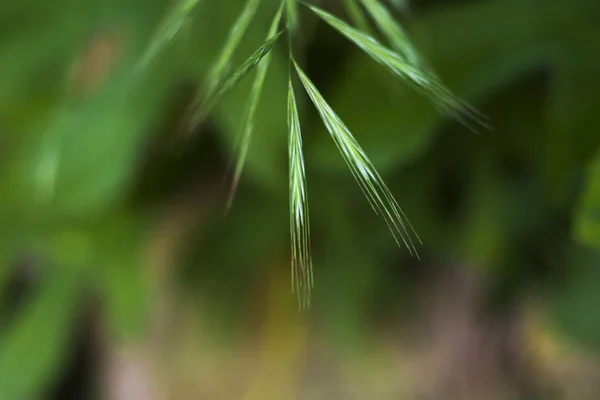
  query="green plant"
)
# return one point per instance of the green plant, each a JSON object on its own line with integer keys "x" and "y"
{"x": 403, "y": 62}
{"x": 73, "y": 138}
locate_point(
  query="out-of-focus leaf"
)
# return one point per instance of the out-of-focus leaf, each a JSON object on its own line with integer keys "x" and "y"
{"x": 124, "y": 277}
{"x": 82, "y": 161}
{"x": 78, "y": 159}
{"x": 33, "y": 349}
{"x": 486, "y": 51}
{"x": 392, "y": 30}
{"x": 33, "y": 64}
{"x": 570, "y": 305}
{"x": 587, "y": 218}
{"x": 572, "y": 115}
{"x": 501, "y": 206}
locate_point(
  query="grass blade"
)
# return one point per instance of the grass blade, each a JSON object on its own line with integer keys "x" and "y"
{"x": 425, "y": 83}
{"x": 362, "y": 169}
{"x": 168, "y": 30}
{"x": 261, "y": 73}
{"x": 302, "y": 274}
{"x": 219, "y": 69}
{"x": 233, "y": 80}
{"x": 355, "y": 12}
{"x": 392, "y": 30}
{"x": 291, "y": 9}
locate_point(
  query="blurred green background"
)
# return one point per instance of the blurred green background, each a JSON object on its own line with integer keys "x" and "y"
{"x": 122, "y": 277}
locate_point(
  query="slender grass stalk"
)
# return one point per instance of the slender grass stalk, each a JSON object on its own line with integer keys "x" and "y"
{"x": 261, "y": 73}
{"x": 392, "y": 30}
{"x": 302, "y": 273}
{"x": 355, "y": 12}
{"x": 425, "y": 83}
{"x": 233, "y": 80}
{"x": 168, "y": 30}
{"x": 291, "y": 9}
{"x": 220, "y": 67}
{"x": 369, "y": 180}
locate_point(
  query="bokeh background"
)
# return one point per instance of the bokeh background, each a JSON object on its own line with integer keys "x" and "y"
{"x": 122, "y": 276}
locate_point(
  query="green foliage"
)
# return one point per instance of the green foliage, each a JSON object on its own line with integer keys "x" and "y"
{"x": 34, "y": 348}
{"x": 71, "y": 155}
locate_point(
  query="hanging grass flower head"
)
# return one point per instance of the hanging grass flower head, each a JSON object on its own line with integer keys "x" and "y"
{"x": 399, "y": 56}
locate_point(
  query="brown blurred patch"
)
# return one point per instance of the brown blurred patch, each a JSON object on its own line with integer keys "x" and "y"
{"x": 556, "y": 365}
{"x": 97, "y": 62}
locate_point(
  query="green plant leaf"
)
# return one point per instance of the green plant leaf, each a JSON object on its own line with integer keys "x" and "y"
{"x": 248, "y": 123}
{"x": 235, "y": 78}
{"x": 302, "y": 274}
{"x": 85, "y": 156}
{"x": 33, "y": 349}
{"x": 80, "y": 156}
{"x": 379, "y": 196}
